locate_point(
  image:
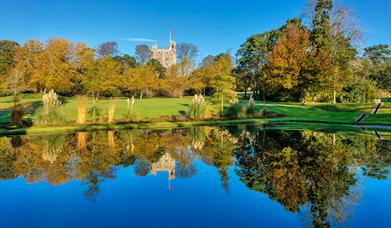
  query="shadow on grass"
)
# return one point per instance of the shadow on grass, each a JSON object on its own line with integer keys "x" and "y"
{"x": 29, "y": 110}
{"x": 335, "y": 108}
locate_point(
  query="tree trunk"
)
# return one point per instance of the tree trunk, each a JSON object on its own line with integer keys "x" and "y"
{"x": 334, "y": 97}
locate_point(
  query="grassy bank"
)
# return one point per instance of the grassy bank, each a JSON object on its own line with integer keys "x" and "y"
{"x": 151, "y": 113}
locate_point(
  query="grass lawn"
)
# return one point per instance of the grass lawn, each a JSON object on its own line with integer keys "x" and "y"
{"x": 157, "y": 107}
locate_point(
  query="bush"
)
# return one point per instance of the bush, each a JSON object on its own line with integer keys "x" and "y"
{"x": 17, "y": 116}
{"x": 50, "y": 114}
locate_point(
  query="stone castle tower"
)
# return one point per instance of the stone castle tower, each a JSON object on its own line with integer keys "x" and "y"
{"x": 165, "y": 164}
{"x": 166, "y": 57}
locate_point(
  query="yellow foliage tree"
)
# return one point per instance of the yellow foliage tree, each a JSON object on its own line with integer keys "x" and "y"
{"x": 140, "y": 79}
{"x": 53, "y": 69}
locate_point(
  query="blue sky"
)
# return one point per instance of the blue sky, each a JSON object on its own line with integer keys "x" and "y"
{"x": 214, "y": 26}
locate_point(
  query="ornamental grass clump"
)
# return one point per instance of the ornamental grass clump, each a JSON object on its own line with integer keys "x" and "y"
{"x": 50, "y": 114}
{"x": 82, "y": 110}
{"x": 234, "y": 108}
{"x": 251, "y": 107}
{"x": 129, "y": 108}
{"x": 111, "y": 111}
{"x": 197, "y": 107}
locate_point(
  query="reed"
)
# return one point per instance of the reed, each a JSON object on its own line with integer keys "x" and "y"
{"x": 251, "y": 106}
{"x": 111, "y": 111}
{"x": 82, "y": 109}
{"x": 81, "y": 141}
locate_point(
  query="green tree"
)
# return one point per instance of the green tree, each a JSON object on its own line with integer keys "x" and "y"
{"x": 224, "y": 83}
{"x": 126, "y": 62}
{"x": 159, "y": 68}
{"x": 377, "y": 53}
{"x": 253, "y": 60}
{"x": 321, "y": 40}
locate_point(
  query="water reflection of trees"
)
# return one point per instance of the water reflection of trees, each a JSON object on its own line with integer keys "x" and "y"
{"x": 295, "y": 168}
{"x": 299, "y": 167}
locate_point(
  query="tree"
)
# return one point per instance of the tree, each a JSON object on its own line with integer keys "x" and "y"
{"x": 24, "y": 65}
{"x": 224, "y": 84}
{"x": 202, "y": 77}
{"x": 143, "y": 54}
{"x": 187, "y": 53}
{"x": 7, "y": 50}
{"x": 321, "y": 26}
{"x": 53, "y": 68}
{"x": 126, "y": 61}
{"x": 321, "y": 41}
{"x": 288, "y": 60}
{"x": 335, "y": 36}
{"x": 140, "y": 79}
{"x": 345, "y": 33}
{"x": 377, "y": 53}
{"x": 174, "y": 83}
{"x": 383, "y": 76}
{"x": 104, "y": 76}
{"x": 253, "y": 60}
{"x": 379, "y": 66}
{"x": 358, "y": 86}
{"x": 159, "y": 68}
{"x": 108, "y": 48}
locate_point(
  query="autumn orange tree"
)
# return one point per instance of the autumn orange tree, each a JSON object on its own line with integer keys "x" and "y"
{"x": 288, "y": 60}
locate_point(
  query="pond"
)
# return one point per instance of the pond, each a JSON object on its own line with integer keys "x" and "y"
{"x": 236, "y": 176}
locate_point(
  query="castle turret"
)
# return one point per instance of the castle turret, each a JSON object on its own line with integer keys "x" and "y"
{"x": 166, "y": 57}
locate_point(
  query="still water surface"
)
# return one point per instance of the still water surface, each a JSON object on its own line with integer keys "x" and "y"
{"x": 242, "y": 176}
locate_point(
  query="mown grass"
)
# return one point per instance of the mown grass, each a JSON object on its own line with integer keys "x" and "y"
{"x": 147, "y": 109}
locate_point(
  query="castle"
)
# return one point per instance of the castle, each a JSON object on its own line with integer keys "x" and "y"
{"x": 166, "y": 57}
{"x": 165, "y": 164}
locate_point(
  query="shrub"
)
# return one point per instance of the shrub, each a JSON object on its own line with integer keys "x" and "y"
{"x": 17, "y": 116}
{"x": 82, "y": 105}
{"x": 50, "y": 114}
{"x": 197, "y": 107}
